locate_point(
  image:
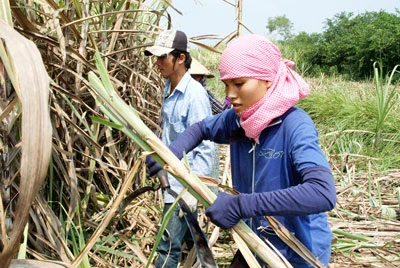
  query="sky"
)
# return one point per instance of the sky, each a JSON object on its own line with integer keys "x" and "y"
{"x": 218, "y": 17}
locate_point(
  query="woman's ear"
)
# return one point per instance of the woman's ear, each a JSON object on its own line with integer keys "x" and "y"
{"x": 269, "y": 83}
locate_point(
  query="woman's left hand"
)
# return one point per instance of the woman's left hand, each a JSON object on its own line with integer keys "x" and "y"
{"x": 225, "y": 212}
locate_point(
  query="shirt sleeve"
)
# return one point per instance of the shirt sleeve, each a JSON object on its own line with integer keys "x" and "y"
{"x": 216, "y": 106}
{"x": 316, "y": 194}
{"x": 305, "y": 150}
{"x": 315, "y": 191}
{"x": 203, "y": 155}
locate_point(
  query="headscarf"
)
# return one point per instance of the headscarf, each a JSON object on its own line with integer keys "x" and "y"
{"x": 254, "y": 56}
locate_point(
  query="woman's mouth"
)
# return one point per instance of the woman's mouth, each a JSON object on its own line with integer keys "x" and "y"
{"x": 236, "y": 107}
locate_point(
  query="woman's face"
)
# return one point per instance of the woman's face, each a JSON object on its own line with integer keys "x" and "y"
{"x": 244, "y": 92}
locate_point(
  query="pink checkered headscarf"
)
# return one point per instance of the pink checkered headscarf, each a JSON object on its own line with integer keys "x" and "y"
{"x": 254, "y": 56}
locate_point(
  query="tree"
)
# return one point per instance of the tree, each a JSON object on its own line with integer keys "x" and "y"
{"x": 282, "y": 25}
{"x": 352, "y": 44}
{"x": 303, "y": 50}
{"x": 349, "y": 45}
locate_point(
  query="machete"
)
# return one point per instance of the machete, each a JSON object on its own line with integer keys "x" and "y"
{"x": 204, "y": 253}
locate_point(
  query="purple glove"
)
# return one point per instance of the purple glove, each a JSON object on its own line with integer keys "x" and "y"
{"x": 226, "y": 210}
{"x": 152, "y": 167}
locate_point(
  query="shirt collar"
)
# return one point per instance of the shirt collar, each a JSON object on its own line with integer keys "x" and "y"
{"x": 182, "y": 85}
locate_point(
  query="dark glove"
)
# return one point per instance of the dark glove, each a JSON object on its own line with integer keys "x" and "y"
{"x": 226, "y": 210}
{"x": 152, "y": 167}
{"x": 185, "y": 142}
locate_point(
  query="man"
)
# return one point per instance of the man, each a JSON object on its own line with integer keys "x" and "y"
{"x": 200, "y": 73}
{"x": 184, "y": 102}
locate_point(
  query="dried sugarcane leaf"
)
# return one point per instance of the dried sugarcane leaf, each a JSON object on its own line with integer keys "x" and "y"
{"x": 115, "y": 203}
{"x": 32, "y": 87}
{"x": 246, "y": 252}
{"x": 38, "y": 264}
{"x": 205, "y": 46}
{"x": 5, "y": 12}
{"x": 53, "y": 230}
{"x": 293, "y": 242}
{"x": 134, "y": 248}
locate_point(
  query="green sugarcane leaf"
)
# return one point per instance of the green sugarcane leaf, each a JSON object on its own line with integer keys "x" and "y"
{"x": 106, "y": 123}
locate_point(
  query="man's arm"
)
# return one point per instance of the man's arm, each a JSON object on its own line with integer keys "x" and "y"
{"x": 216, "y": 106}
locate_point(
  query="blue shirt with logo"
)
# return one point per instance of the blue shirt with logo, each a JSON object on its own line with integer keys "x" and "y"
{"x": 291, "y": 169}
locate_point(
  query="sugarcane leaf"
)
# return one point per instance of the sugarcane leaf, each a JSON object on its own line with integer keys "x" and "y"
{"x": 167, "y": 216}
{"x": 32, "y": 87}
{"x": 106, "y": 122}
{"x": 293, "y": 242}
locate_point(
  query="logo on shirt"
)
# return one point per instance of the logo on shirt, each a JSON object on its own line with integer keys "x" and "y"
{"x": 271, "y": 153}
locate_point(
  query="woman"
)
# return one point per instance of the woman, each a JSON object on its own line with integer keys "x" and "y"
{"x": 277, "y": 164}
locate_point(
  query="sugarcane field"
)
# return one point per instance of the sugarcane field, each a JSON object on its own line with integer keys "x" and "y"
{"x": 82, "y": 95}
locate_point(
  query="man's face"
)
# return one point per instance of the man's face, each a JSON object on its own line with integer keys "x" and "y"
{"x": 197, "y": 77}
{"x": 166, "y": 65}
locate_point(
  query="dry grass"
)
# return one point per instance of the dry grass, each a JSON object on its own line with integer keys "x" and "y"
{"x": 363, "y": 236}
{"x": 379, "y": 241}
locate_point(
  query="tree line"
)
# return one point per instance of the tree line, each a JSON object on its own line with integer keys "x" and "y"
{"x": 348, "y": 46}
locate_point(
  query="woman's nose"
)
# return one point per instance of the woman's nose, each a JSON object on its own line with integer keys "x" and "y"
{"x": 230, "y": 93}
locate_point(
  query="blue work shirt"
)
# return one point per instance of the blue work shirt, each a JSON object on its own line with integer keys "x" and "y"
{"x": 187, "y": 104}
{"x": 279, "y": 166}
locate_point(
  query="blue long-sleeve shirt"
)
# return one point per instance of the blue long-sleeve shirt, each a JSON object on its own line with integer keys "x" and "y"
{"x": 187, "y": 105}
{"x": 286, "y": 175}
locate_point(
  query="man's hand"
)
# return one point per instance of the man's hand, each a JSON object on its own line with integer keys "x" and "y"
{"x": 162, "y": 176}
{"x": 190, "y": 200}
